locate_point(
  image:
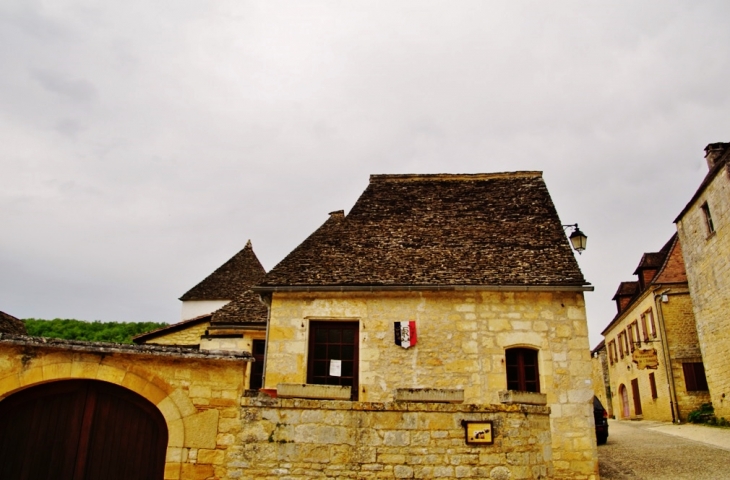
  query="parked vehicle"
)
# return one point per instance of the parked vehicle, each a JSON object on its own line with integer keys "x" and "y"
{"x": 601, "y": 417}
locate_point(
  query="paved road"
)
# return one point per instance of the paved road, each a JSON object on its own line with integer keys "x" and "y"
{"x": 650, "y": 450}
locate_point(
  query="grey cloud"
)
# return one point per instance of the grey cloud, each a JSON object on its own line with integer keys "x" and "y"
{"x": 78, "y": 90}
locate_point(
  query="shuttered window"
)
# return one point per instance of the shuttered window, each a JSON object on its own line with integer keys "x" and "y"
{"x": 694, "y": 377}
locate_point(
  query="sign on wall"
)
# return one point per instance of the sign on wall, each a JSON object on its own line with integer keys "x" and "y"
{"x": 645, "y": 359}
{"x": 405, "y": 334}
{"x": 478, "y": 433}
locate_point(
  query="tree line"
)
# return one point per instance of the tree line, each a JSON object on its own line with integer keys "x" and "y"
{"x": 96, "y": 331}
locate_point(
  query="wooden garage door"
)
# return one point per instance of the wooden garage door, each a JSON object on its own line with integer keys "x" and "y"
{"x": 81, "y": 429}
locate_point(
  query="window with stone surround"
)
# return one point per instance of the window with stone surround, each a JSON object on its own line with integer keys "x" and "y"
{"x": 522, "y": 371}
{"x": 652, "y": 385}
{"x": 612, "y": 356}
{"x": 334, "y": 354}
{"x": 634, "y": 340}
{"x": 647, "y": 318}
{"x": 694, "y": 377}
{"x": 708, "y": 219}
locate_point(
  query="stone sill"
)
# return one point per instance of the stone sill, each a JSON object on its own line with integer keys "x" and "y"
{"x": 320, "y": 392}
{"x": 527, "y": 398}
{"x": 430, "y": 395}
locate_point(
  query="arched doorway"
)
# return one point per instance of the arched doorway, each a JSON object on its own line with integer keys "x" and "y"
{"x": 81, "y": 429}
{"x": 625, "y": 413}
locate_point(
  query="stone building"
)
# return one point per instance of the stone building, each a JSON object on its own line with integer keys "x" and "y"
{"x": 655, "y": 364}
{"x": 601, "y": 382}
{"x": 472, "y": 274}
{"x": 238, "y": 321}
{"x": 704, "y": 231}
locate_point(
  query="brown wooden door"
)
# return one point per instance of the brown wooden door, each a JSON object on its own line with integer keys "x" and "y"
{"x": 637, "y": 396}
{"x": 624, "y": 402}
{"x": 81, "y": 430}
{"x": 334, "y": 341}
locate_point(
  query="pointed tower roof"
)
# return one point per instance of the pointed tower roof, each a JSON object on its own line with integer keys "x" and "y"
{"x": 230, "y": 279}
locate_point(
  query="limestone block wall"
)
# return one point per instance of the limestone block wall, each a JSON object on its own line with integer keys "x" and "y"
{"x": 198, "y": 397}
{"x": 684, "y": 346}
{"x": 707, "y": 258}
{"x": 303, "y": 439}
{"x": 601, "y": 381}
{"x": 187, "y": 336}
{"x": 462, "y": 337}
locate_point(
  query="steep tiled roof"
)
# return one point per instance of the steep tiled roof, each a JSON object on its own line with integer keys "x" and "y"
{"x": 10, "y": 324}
{"x": 626, "y": 289}
{"x": 168, "y": 329}
{"x": 230, "y": 279}
{"x": 245, "y": 308}
{"x": 437, "y": 230}
{"x": 655, "y": 260}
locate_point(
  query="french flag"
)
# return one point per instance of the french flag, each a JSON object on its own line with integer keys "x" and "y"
{"x": 405, "y": 333}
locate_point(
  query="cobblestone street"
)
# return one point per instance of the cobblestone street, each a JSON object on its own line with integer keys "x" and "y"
{"x": 653, "y": 450}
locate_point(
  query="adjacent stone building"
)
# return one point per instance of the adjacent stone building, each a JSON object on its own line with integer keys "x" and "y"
{"x": 704, "y": 231}
{"x": 655, "y": 364}
{"x": 472, "y": 273}
{"x": 238, "y": 321}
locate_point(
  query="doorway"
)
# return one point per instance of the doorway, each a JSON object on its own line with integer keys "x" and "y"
{"x": 81, "y": 430}
{"x": 625, "y": 413}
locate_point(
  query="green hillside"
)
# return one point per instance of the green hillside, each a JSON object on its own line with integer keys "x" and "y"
{"x": 96, "y": 331}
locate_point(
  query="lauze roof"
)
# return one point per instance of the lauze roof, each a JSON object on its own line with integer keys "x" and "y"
{"x": 437, "y": 230}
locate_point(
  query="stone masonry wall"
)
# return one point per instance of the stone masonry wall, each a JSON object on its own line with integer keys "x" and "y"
{"x": 707, "y": 258}
{"x": 462, "y": 337}
{"x": 187, "y": 336}
{"x": 303, "y": 439}
{"x": 684, "y": 346}
{"x": 198, "y": 397}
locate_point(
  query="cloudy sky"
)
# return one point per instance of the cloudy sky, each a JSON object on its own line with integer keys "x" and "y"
{"x": 143, "y": 142}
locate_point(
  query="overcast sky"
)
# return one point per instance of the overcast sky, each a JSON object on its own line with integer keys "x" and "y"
{"x": 143, "y": 142}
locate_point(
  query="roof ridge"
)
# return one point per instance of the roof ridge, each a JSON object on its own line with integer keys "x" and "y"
{"x": 410, "y": 177}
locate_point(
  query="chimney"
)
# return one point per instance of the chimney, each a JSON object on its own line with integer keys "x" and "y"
{"x": 713, "y": 152}
{"x": 337, "y": 214}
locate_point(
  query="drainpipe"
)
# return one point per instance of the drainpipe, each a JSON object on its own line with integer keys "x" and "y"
{"x": 667, "y": 362}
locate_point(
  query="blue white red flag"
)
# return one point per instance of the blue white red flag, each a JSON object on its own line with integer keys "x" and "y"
{"x": 405, "y": 334}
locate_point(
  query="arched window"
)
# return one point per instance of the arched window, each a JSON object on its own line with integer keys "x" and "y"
{"x": 522, "y": 372}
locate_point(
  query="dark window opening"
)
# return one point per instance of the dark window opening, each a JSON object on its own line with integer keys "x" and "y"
{"x": 708, "y": 218}
{"x": 258, "y": 349}
{"x": 694, "y": 377}
{"x": 333, "y": 349}
{"x": 522, "y": 371}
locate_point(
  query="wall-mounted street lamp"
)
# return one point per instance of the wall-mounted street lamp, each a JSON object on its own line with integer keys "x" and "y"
{"x": 578, "y": 239}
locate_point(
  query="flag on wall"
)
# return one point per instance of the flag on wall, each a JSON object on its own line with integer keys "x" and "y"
{"x": 405, "y": 333}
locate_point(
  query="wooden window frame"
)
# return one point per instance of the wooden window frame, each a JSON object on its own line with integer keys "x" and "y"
{"x": 708, "y": 219}
{"x": 694, "y": 377}
{"x": 652, "y": 385}
{"x": 312, "y": 375}
{"x": 650, "y": 315}
{"x": 611, "y": 347}
{"x": 518, "y": 362}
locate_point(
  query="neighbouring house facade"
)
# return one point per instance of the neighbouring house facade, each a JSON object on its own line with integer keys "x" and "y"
{"x": 704, "y": 230}
{"x": 473, "y": 273}
{"x": 238, "y": 321}
{"x": 601, "y": 379}
{"x": 655, "y": 367}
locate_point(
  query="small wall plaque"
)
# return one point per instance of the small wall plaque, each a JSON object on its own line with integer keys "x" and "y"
{"x": 478, "y": 432}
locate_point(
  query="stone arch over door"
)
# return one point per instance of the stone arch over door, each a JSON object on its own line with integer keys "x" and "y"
{"x": 624, "y": 396}
{"x": 81, "y": 429}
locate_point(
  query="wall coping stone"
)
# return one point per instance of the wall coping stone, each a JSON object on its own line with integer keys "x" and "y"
{"x": 312, "y": 391}
{"x": 515, "y": 397}
{"x": 105, "y": 347}
{"x": 429, "y": 395}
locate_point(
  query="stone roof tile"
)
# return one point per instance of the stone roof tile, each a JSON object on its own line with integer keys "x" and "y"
{"x": 429, "y": 230}
{"x": 10, "y": 324}
{"x": 230, "y": 279}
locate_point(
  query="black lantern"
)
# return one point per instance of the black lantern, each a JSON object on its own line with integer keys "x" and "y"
{"x": 578, "y": 239}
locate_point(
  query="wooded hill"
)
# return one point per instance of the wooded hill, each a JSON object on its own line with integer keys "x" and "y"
{"x": 96, "y": 331}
